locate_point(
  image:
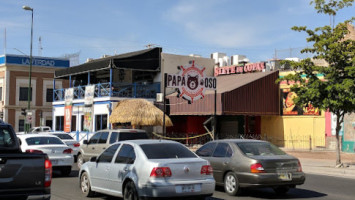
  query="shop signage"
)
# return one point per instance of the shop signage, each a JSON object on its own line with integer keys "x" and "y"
{"x": 36, "y": 61}
{"x": 235, "y": 69}
{"x": 191, "y": 82}
{"x": 88, "y": 102}
{"x": 69, "y": 95}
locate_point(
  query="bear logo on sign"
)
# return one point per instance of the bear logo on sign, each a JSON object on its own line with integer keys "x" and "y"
{"x": 192, "y": 82}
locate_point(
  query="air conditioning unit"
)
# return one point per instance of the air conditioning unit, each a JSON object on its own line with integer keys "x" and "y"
{"x": 159, "y": 97}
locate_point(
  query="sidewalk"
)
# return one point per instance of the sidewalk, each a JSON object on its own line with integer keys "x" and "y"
{"x": 323, "y": 163}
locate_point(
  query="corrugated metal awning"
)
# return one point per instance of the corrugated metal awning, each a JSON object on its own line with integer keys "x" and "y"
{"x": 239, "y": 94}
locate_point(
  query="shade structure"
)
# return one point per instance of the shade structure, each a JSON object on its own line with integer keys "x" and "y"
{"x": 138, "y": 112}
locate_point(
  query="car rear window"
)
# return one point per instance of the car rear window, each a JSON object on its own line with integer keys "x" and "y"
{"x": 6, "y": 138}
{"x": 132, "y": 136}
{"x": 64, "y": 136}
{"x": 43, "y": 140}
{"x": 166, "y": 151}
{"x": 259, "y": 149}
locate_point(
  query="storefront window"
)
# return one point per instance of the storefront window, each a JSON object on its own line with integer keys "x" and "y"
{"x": 100, "y": 122}
{"x": 59, "y": 123}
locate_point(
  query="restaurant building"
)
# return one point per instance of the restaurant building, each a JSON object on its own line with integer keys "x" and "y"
{"x": 136, "y": 74}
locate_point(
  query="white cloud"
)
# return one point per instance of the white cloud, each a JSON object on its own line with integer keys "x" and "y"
{"x": 207, "y": 22}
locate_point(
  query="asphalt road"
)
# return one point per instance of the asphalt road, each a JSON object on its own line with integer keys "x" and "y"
{"x": 316, "y": 187}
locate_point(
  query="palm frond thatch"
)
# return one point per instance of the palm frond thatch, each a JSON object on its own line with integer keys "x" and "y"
{"x": 138, "y": 112}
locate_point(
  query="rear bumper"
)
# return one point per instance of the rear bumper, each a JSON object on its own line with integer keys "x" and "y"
{"x": 169, "y": 189}
{"x": 35, "y": 197}
{"x": 62, "y": 161}
{"x": 269, "y": 179}
{"x": 26, "y": 195}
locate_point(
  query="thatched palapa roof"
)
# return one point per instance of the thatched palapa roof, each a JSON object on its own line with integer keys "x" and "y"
{"x": 138, "y": 112}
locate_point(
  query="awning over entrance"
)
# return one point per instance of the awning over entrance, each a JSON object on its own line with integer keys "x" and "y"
{"x": 148, "y": 59}
{"x": 239, "y": 94}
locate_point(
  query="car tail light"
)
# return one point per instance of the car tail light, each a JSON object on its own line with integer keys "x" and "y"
{"x": 299, "y": 169}
{"x": 68, "y": 151}
{"x": 76, "y": 144}
{"x": 47, "y": 173}
{"x": 206, "y": 169}
{"x": 33, "y": 151}
{"x": 160, "y": 172}
{"x": 257, "y": 168}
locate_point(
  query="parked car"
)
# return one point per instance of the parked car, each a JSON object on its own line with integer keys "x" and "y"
{"x": 58, "y": 152}
{"x": 68, "y": 140}
{"x": 22, "y": 175}
{"x": 239, "y": 163}
{"x": 101, "y": 140}
{"x": 37, "y": 129}
{"x": 147, "y": 168}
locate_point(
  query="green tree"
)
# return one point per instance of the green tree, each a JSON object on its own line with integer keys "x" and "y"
{"x": 336, "y": 92}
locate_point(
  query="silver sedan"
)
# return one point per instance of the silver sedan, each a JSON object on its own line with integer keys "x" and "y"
{"x": 147, "y": 168}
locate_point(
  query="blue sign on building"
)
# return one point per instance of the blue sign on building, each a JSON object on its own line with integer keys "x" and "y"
{"x": 36, "y": 61}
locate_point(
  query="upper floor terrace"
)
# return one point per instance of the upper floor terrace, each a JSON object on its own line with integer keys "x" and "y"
{"x": 131, "y": 75}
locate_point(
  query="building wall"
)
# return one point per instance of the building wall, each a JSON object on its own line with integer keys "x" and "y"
{"x": 303, "y": 132}
{"x": 14, "y": 77}
{"x": 348, "y": 144}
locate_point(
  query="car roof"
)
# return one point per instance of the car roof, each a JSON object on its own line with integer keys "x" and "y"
{"x": 122, "y": 130}
{"x": 29, "y": 135}
{"x": 147, "y": 141}
{"x": 238, "y": 140}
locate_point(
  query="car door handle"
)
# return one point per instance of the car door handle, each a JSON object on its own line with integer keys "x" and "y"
{"x": 225, "y": 163}
{"x": 104, "y": 148}
{"x": 125, "y": 169}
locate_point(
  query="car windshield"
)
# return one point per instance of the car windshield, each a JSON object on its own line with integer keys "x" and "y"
{"x": 166, "y": 151}
{"x": 259, "y": 149}
{"x": 64, "y": 136}
{"x": 43, "y": 140}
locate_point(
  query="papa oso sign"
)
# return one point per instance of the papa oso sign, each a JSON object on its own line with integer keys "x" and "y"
{"x": 191, "y": 82}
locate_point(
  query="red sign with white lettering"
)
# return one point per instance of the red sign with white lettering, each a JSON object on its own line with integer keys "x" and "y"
{"x": 234, "y": 69}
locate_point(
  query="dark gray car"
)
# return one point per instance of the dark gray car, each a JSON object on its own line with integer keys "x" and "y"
{"x": 241, "y": 163}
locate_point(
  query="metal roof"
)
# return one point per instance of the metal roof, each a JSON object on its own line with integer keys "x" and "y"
{"x": 147, "y": 59}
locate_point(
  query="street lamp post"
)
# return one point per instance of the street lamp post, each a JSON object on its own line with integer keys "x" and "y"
{"x": 29, "y": 95}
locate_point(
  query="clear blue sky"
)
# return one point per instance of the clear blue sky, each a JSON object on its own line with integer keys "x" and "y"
{"x": 93, "y": 28}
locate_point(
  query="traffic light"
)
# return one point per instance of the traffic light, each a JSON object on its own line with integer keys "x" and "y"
{"x": 23, "y": 111}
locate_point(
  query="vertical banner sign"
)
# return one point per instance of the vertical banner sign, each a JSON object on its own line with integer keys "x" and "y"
{"x": 88, "y": 107}
{"x": 69, "y": 95}
{"x": 191, "y": 82}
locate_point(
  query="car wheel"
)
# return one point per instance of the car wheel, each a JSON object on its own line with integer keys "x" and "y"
{"x": 281, "y": 189}
{"x": 130, "y": 192}
{"x": 231, "y": 184}
{"x": 85, "y": 185}
{"x": 80, "y": 161}
{"x": 65, "y": 171}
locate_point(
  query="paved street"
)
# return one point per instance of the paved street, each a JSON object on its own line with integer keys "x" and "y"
{"x": 316, "y": 187}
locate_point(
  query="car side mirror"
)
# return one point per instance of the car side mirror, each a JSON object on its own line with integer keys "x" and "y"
{"x": 93, "y": 159}
{"x": 85, "y": 142}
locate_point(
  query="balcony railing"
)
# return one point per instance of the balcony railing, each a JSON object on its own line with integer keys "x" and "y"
{"x": 135, "y": 90}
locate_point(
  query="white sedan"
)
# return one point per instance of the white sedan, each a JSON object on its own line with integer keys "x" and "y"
{"x": 68, "y": 140}
{"x": 58, "y": 152}
{"x": 136, "y": 169}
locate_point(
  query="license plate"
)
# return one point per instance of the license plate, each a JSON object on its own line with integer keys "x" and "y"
{"x": 188, "y": 188}
{"x": 285, "y": 176}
